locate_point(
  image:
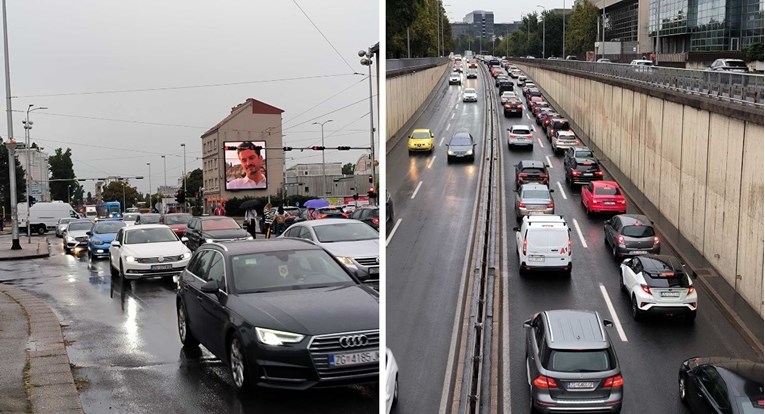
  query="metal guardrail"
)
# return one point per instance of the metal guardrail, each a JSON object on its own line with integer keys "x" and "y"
{"x": 733, "y": 87}
{"x": 395, "y": 67}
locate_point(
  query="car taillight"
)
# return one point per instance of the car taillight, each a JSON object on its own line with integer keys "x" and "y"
{"x": 547, "y": 122}
{"x": 622, "y": 201}
{"x": 614, "y": 382}
{"x": 575, "y": 173}
{"x": 521, "y": 205}
{"x": 529, "y": 136}
{"x": 550, "y": 205}
{"x": 524, "y": 247}
{"x": 594, "y": 201}
{"x": 519, "y": 106}
{"x": 691, "y": 290}
{"x": 645, "y": 288}
{"x": 599, "y": 173}
{"x": 760, "y": 403}
{"x": 545, "y": 382}
{"x": 375, "y": 220}
{"x": 620, "y": 240}
{"x": 522, "y": 175}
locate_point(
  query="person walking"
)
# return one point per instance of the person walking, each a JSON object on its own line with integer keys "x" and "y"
{"x": 251, "y": 222}
{"x": 219, "y": 210}
{"x": 280, "y": 219}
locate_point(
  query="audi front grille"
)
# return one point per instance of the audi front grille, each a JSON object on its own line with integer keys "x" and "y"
{"x": 323, "y": 345}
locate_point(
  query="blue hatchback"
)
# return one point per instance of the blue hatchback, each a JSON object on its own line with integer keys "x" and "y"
{"x": 101, "y": 236}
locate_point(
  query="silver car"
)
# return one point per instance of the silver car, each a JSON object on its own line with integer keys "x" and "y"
{"x": 533, "y": 199}
{"x": 61, "y": 226}
{"x": 469, "y": 95}
{"x": 354, "y": 243}
{"x": 76, "y": 234}
{"x": 563, "y": 140}
{"x": 519, "y": 135}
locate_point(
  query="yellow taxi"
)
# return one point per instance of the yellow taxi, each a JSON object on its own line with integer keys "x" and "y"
{"x": 421, "y": 139}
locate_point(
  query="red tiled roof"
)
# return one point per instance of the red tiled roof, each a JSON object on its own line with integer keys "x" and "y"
{"x": 257, "y": 106}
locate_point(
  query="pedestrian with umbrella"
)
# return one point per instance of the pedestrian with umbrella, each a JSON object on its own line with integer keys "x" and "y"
{"x": 251, "y": 216}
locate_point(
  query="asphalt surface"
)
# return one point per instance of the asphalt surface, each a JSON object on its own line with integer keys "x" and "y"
{"x": 426, "y": 256}
{"x": 126, "y": 355}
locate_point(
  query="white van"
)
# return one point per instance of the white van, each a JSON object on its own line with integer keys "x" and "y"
{"x": 543, "y": 243}
{"x": 44, "y": 216}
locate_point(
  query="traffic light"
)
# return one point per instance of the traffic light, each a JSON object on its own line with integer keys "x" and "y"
{"x": 31, "y": 201}
{"x": 371, "y": 180}
{"x": 317, "y": 148}
{"x": 356, "y": 197}
{"x": 287, "y": 148}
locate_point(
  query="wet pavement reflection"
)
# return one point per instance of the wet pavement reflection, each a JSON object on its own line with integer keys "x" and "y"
{"x": 126, "y": 355}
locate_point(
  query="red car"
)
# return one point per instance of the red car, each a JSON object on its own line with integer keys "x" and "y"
{"x": 176, "y": 221}
{"x": 536, "y": 107}
{"x": 603, "y": 197}
{"x": 494, "y": 72}
{"x": 533, "y": 100}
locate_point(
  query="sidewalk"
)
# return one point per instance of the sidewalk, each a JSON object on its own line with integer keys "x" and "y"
{"x": 35, "y": 374}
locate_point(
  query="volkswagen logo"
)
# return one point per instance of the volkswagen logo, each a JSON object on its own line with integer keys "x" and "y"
{"x": 353, "y": 341}
{"x": 160, "y": 259}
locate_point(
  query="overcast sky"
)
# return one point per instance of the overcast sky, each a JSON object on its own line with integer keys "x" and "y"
{"x": 504, "y": 11}
{"x": 63, "y": 54}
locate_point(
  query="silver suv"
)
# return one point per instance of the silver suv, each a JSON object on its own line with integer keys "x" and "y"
{"x": 571, "y": 364}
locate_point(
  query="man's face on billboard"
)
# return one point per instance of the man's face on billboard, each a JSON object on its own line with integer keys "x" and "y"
{"x": 251, "y": 163}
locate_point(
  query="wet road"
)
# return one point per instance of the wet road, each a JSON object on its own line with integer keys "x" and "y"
{"x": 123, "y": 343}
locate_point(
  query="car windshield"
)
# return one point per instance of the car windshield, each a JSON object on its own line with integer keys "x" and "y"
{"x": 736, "y": 64}
{"x": 64, "y": 220}
{"x": 583, "y": 154}
{"x": 343, "y": 232}
{"x": 283, "y": 270}
{"x": 579, "y": 361}
{"x": 75, "y": 226}
{"x": 153, "y": 235}
{"x": 108, "y": 227}
{"x": 150, "y": 219}
{"x": 521, "y": 131}
{"x": 607, "y": 191}
{"x": 461, "y": 141}
{"x": 183, "y": 219}
{"x": 220, "y": 224}
{"x": 638, "y": 231}
{"x": 535, "y": 194}
{"x": 469, "y": 90}
{"x": 420, "y": 135}
{"x": 130, "y": 217}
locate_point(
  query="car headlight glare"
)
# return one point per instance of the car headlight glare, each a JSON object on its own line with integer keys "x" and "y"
{"x": 209, "y": 240}
{"x": 249, "y": 238}
{"x": 187, "y": 255}
{"x": 130, "y": 259}
{"x": 345, "y": 260}
{"x": 469, "y": 152}
{"x": 277, "y": 338}
{"x": 450, "y": 152}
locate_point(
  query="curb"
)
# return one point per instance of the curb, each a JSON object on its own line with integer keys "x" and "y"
{"x": 50, "y": 385}
{"x": 38, "y": 255}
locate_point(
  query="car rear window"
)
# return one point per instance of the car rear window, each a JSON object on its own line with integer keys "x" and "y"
{"x": 584, "y": 154}
{"x": 554, "y": 238}
{"x": 587, "y": 167}
{"x": 532, "y": 170}
{"x": 560, "y": 125}
{"x": 580, "y": 361}
{"x": 521, "y": 131}
{"x": 667, "y": 279}
{"x": 535, "y": 194}
{"x": 566, "y": 138}
{"x": 638, "y": 231}
{"x": 607, "y": 191}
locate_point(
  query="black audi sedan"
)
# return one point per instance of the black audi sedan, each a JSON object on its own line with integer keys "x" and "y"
{"x": 280, "y": 313}
{"x": 721, "y": 385}
{"x": 208, "y": 229}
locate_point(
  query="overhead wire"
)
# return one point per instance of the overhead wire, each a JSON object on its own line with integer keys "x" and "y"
{"x": 325, "y": 37}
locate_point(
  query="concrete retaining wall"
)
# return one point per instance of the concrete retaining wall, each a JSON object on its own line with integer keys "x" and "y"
{"x": 702, "y": 171}
{"x": 406, "y": 93}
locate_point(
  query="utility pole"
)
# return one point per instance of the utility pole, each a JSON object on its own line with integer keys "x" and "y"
{"x": 564, "y": 31}
{"x": 544, "y": 29}
{"x": 323, "y": 161}
{"x": 185, "y": 210}
{"x": 11, "y": 144}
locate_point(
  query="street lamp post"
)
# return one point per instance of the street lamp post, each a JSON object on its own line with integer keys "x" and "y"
{"x": 544, "y": 29}
{"x": 11, "y": 144}
{"x": 184, "y": 178}
{"x": 323, "y": 161}
{"x": 164, "y": 162}
{"x": 366, "y": 60}
{"x": 68, "y": 195}
{"x": 150, "y": 194}
{"x": 563, "y": 52}
{"x": 27, "y": 127}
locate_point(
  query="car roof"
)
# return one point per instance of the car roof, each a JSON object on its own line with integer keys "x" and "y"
{"x": 655, "y": 263}
{"x": 575, "y": 329}
{"x": 461, "y": 134}
{"x": 545, "y": 218}
{"x": 325, "y": 222}
{"x": 632, "y": 219}
{"x": 421, "y": 130}
{"x": 173, "y": 214}
{"x": 146, "y": 226}
{"x": 604, "y": 183}
{"x": 566, "y": 132}
{"x": 532, "y": 164}
{"x": 729, "y": 367}
{"x": 262, "y": 245}
{"x": 205, "y": 218}
{"x": 520, "y": 126}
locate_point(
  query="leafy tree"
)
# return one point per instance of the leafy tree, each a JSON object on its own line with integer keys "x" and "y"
{"x": 114, "y": 192}
{"x": 5, "y": 181}
{"x": 581, "y": 28}
{"x": 60, "y": 165}
{"x": 193, "y": 184}
{"x": 754, "y": 53}
{"x": 348, "y": 169}
{"x": 421, "y": 17}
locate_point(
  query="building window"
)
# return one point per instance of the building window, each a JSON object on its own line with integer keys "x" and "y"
{"x": 306, "y": 190}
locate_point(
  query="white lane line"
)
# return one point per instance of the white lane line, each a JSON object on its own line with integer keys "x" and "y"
{"x": 416, "y": 190}
{"x": 562, "y": 192}
{"x": 614, "y": 316}
{"x": 527, "y": 115}
{"x": 547, "y": 157}
{"x": 447, "y": 126}
{"x": 452, "y": 116}
{"x": 442, "y": 141}
{"x": 392, "y": 232}
{"x": 430, "y": 164}
{"x": 533, "y": 129}
{"x": 456, "y": 106}
{"x": 540, "y": 143}
{"x": 578, "y": 230}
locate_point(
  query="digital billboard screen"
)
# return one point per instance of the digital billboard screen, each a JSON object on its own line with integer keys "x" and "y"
{"x": 245, "y": 165}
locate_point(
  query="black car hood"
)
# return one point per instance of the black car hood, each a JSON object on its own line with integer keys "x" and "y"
{"x": 311, "y": 311}
{"x": 224, "y": 234}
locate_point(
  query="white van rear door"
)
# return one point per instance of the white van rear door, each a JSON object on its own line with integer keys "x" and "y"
{"x": 548, "y": 246}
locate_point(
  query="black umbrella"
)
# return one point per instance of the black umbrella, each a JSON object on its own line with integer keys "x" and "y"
{"x": 250, "y": 204}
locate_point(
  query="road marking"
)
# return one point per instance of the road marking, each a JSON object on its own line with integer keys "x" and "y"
{"x": 416, "y": 190}
{"x": 576, "y": 224}
{"x": 540, "y": 143}
{"x": 527, "y": 115}
{"x": 447, "y": 126}
{"x": 456, "y": 106}
{"x": 547, "y": 157}
{"x": 614, "y": 316}
{"x": 442, "y": 141}
{"x": 452, "y": 116}
{"x": 390, "y": 236}
{"x": 563, "y": 192}
{"x": 430, "y": 164}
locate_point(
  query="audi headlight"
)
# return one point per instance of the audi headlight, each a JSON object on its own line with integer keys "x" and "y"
{"x": 469, "y": 152}
{"x": 96, "y": 241}
{"x": 277, "y": 338}
{"x": 450, "y": 152}
{"x": 345, "y": 260}
{"x": 209, "y": 240}
{"x": 187, "y": 255}
{"x": 130, "y": 259}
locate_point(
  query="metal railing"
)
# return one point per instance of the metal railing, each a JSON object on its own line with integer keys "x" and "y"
{"x": 394, "y": 67}
{"x": 743, "y": 88}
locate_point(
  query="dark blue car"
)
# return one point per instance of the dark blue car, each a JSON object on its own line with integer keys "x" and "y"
{"x": 101, "y": 236}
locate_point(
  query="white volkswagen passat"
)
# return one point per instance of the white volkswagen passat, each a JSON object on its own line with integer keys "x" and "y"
{"x": 149, "y": 250}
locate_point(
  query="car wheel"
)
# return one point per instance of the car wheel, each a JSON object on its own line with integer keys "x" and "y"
{"x": 122, "y": 276}
{"x": 682, "y": 389}
{"x": 238, "y": 364}
{"x": 112, "y": 269}
{"x": 90, "y": 256}
{"x": 448, "y": 160}
{"x": 187, "y": 338}
{"x": 637, "y": 314}
{"x": 395, "y": 392}
{"x": 522, "y": 269}
{"x": 614, "y": 253}
{"x": 41, "y": 229}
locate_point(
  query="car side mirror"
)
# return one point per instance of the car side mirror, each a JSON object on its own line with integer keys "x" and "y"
{"x": 210, "y": 287}
{"x": 606, "y": 322}
{"x": 694, "y": 275}
{"x": 115, "y": 243}
{"x": 516, "y": 229}
{"x": 528, "y": 323}
{"x": 552, "y": 190}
